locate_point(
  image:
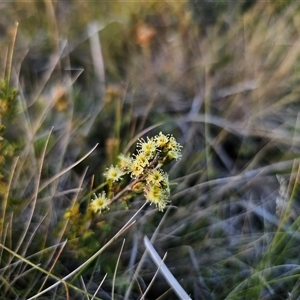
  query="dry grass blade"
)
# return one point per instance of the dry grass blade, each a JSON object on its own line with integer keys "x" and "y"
{"x": 115, "y": 272}
{"x": 134, "y": 276}
{"x": 5, "y": 200}
{"x": 35, "y": 197}
{"x": 67, "y": 169}
{"x": 84, "y": 286}
{"x": 9, "y": 67}
{"x": 53, "y": 265}
{"x": 154, "y": 276}
{"x": 181, "y": 293}
{"x": 99, "y": 286}
{"x": 97, "y": 56}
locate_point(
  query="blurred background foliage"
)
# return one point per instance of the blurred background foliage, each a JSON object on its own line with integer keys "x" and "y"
{"x": 222, "y": 76}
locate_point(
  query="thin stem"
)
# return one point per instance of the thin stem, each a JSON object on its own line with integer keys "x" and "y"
{"x": 126, "y": 189}
{"x": 11, "y": 54}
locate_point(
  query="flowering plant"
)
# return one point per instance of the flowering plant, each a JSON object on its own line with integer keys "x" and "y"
{"x": 134, "y": 174}
{"x": 145, "y": 170}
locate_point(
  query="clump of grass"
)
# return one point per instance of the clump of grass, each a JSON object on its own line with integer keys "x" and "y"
{"x": 227, "y": 90}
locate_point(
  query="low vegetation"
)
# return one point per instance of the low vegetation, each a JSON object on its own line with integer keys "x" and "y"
{"x": 176, "y": 121}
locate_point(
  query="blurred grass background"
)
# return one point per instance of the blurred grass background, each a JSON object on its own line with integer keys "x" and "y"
{"x": 221, "y": 76}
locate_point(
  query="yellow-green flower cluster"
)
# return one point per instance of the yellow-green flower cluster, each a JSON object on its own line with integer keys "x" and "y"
{"x": 114, "y": 173}
{"x": 157, "y": 188}
{"x": 146, "y": 165}
{"x": 99, "y": 203}
{"x": 144, "y": 168}
{"x": 169, "y": 146}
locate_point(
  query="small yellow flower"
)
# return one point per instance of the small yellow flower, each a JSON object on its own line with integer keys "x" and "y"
{"x": 157, "y": 196}
{"x": 114, "y": 174}
{"x": 174, "y": 154}
{"x": 173, "y": 145}
{"x": 155, "y": 177}
{"x": 161, "y": 140}
{"x": 142, "y": 160}
{"x": 136, "y": 169}
{"x": 147, "y": 148}
{"x": 100, "y": 203}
